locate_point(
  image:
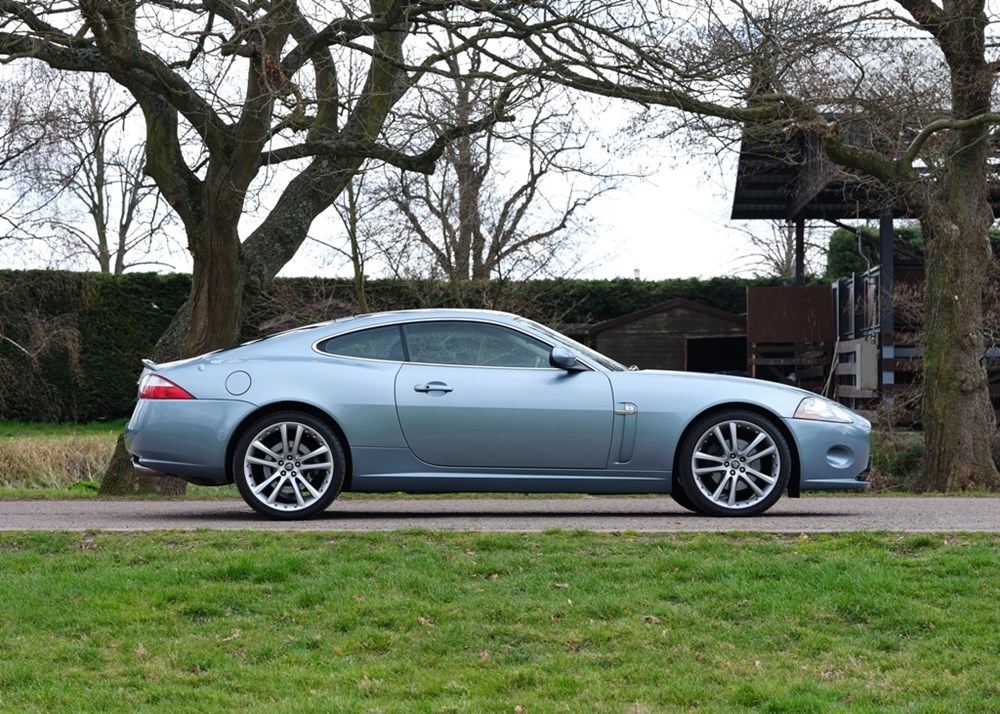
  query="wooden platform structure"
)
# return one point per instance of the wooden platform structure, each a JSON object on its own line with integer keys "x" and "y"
{"x": 863, "y": 355}
{"x": 837, "y": 340}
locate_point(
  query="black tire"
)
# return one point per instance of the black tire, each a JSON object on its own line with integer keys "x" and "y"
{"x": 680, "y": 496}
{"x": 734, "y": 463}
{"x": 289, "y": 465}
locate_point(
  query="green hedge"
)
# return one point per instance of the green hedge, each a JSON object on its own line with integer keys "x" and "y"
{"x": 85, "y": 333}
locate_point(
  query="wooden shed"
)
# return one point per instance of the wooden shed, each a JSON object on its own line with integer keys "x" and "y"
{"x": 677, "y": 334}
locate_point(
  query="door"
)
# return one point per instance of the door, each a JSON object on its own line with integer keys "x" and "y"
{"x": 480, "y": 395}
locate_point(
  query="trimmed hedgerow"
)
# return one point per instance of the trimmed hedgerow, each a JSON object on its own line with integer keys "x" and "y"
{"x": 71, "y": 343}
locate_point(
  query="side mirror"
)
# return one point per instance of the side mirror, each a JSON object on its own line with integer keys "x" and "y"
{"x": 564, "y": 358}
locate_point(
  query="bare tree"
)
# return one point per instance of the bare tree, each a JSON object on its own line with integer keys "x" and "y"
{"x": 510, "y": 201}
{"x": 360, "y": 218}
{"x": 352, "y": 224}
{"x": 771, "y": 250}
{"x": 26, "y": 124}
{"x": 83, "y": 196}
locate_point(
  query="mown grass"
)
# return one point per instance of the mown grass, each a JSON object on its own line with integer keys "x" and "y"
{"x": 556, "y": 622}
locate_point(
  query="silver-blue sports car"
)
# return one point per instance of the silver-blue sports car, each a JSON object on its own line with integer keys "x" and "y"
{"x": 435, "y": 401}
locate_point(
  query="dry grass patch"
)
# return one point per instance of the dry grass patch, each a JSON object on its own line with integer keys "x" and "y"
{"x": 54, "y": 459}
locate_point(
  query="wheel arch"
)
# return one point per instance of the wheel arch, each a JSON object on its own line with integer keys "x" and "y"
{"x": 794, "y": 476}
{"x": 284, "y": 407}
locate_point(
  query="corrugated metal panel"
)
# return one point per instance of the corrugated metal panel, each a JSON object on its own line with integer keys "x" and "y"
{"x": 789, "y": 315}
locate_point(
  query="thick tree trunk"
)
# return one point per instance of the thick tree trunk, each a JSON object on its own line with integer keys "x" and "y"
{"x": 959, "y": 422}
{"x": 216, "y": 289}
{"x": 957, "y": 414}
{"x": 210, "y": 319}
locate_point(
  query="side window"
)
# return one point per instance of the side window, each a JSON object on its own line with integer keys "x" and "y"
{"x": 473, "y": 344}
{"x": 376, "y": 343}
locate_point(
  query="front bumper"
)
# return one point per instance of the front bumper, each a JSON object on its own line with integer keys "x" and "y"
{"x": 832, "y": 456}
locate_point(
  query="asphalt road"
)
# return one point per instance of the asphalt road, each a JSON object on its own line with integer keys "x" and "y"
{"x": 816, "y": 514}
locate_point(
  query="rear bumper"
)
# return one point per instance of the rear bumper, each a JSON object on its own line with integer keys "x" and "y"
{"x": 211, "y": 480}
{"x": 200, "y": 431}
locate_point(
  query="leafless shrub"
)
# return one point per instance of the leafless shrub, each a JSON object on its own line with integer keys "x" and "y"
{"x": 285, "y": 307}
{"x": 20, "y": 360}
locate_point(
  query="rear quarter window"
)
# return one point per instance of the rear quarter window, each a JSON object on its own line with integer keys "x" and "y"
{"x": 382, "y": 343}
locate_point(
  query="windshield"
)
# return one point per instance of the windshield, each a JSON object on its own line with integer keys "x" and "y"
{"x": 592, "y": 355}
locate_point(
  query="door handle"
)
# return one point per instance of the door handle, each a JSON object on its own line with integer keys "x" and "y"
{"x": 432, "y": 387}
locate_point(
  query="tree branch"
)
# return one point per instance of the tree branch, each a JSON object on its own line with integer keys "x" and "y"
{"x": 943, "y": 125}
{"x": 421, "y": 163}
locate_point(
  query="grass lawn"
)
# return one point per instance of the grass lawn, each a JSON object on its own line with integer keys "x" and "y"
{"x": 426, "y": 622}
{"x": 555, "y": 622}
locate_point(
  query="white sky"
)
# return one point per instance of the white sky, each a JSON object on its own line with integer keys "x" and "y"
{"x": 672, "y": 224}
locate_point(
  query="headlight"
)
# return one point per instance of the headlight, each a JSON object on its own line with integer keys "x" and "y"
{"x": 821, "y": 409}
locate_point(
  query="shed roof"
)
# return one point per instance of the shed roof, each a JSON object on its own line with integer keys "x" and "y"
{"x": 674, "y": 304}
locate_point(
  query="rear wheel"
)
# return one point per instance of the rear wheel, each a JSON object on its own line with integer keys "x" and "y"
{"x": 289, "y": 465}
{"x": 734, "y": 463}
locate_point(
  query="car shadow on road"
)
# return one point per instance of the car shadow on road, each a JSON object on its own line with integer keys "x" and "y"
{"x": 587, "y": 518}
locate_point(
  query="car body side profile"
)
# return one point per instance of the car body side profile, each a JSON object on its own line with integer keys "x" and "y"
{"x": 440, "y": 401}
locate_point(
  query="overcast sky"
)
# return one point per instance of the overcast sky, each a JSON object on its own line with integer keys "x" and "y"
{"x": 673, "y": 224}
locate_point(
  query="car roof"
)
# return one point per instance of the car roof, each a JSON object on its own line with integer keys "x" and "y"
{"x": 320, "y": 330}
{"x": 427, "y": 313}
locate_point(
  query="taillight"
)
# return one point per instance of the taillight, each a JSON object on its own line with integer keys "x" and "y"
{"x": 153, "y": 386}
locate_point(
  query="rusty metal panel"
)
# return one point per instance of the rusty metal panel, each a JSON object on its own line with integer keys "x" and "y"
{"x": 792, "y": 314}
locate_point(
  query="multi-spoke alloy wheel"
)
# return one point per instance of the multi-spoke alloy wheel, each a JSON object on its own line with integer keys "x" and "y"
{"x": 734, "y": 463}
{"x": 289, "y": 465}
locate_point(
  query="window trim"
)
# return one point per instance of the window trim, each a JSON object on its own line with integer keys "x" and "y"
{"x": 583, "y": 359}
{"x": 316, "y": 346}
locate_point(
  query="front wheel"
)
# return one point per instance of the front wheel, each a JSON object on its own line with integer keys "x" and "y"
{"x": 681, "y": 498}
{"x": 289, "y": 465}
{"x": 734, "y": 463}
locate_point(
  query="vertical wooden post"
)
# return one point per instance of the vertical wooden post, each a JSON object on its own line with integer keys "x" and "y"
{"x": 800, "y": 251}
{"x": 885, "y": 272}
{"x": 885, "y": 290}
